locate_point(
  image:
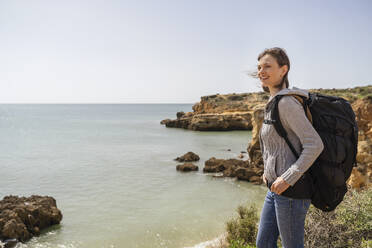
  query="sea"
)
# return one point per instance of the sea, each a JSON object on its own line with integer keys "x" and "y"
{"x": 112, "y": 171}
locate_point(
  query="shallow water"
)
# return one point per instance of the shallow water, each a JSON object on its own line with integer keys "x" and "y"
{"x": 111, "y": 170}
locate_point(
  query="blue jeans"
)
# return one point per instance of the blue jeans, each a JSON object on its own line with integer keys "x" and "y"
{"x": 285, "y": 216}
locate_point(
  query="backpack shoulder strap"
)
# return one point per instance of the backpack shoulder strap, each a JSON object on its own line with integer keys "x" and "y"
{"x": 278, "y": 124}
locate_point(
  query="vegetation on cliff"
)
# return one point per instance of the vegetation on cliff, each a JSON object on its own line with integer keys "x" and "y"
{"x": 235, "y": 102}
{"x": 350, "y": 94}
{"x": 350, "y": 225}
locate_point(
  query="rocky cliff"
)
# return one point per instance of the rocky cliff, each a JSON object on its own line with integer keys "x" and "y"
{"x": 220, "y": 113}
{"x": 245, "y": 112}
{"x": 362, "y": 174}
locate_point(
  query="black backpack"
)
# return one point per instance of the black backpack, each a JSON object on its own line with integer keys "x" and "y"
{"x": 334, "y": 120}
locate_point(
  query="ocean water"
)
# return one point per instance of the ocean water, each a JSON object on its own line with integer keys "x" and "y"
{"x": 111, "y": 169}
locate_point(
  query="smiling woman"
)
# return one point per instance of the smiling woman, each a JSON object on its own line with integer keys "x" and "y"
{"x": 272, "y": 70}
{"x": 282, "y": 215}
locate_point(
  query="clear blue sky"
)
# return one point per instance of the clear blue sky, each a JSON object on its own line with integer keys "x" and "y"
{"x": 174, "y": 51}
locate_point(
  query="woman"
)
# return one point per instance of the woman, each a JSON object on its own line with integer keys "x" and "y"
{"x": 281, "y": 215}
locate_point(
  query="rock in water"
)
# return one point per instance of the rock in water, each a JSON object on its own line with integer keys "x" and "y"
{"x": 187, "y": 167}
{"x": 241, "y": 169}
{"x": 21, "y": 218}
{"x": 188, "y": 157}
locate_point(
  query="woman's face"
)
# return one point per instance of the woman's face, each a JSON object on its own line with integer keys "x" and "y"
{"x": 269, "y": 72}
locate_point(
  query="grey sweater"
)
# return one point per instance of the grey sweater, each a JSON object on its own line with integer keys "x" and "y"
{"x": 277, "y": 156}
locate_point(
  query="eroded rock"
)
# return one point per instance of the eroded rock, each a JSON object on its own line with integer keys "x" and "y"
{"x": 219, "y": 113}
{"x": 21, "y": 218}
{"x": 188, "y": 157}
{"x": 241, "y": 169}
{"x": 187, "y": 167}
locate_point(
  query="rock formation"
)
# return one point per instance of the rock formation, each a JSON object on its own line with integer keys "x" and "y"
{"x": 254, "y": 151}
{"x": 362, "y": 174}
{"x": 188, "y": 157}
{"x": 241, "y": 169}
{"x": 21, "y": 218}
{"x": 187, "y": 167}
{"x": 219, "y": 113}
{"x": 245, "y": 112}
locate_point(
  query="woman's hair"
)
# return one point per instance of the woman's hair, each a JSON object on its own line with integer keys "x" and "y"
{"x": 281, "y": 58}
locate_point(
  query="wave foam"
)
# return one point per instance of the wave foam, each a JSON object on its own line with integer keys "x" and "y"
{"x": 214, "y": 243}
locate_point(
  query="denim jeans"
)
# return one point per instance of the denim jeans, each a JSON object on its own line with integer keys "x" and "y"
{"x": 285, "y": 216}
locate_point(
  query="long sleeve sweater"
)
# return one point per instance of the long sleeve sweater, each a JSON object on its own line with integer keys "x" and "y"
{"x": 277, "y": 156}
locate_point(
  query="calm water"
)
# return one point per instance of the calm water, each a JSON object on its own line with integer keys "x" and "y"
{"x": 111, "y": 170}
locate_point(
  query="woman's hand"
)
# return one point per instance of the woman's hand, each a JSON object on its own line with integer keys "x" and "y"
{"x": 279, "y": 186}
{"x": 264, "y": 178}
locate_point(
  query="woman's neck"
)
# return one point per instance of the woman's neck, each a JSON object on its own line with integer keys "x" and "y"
{"x": 274, "y": 90}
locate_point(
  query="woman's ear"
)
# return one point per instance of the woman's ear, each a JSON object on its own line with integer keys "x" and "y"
{"x": 284, "y": 69}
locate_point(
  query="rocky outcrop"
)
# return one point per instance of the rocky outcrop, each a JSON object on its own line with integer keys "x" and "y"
{"x": 245, "y": 112}
{"x": 21, "y": 218}
{"x": 188, "y": 157}
{"x": 219, "y": 113}
{"x": 212, "y": 122}
{"x": 254, "y": 150}
{"x": 362, "y": 174}
{"x": 241, "y": 169}
{"x": 187, "y": 167}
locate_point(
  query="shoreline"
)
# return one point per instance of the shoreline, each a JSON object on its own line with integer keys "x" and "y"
{"x": 213, "y": 243}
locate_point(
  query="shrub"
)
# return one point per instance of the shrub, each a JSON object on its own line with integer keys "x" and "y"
{"x": 242, "y": 231}
{"x": 350, "y": 225}
{"x": 239, "y": 244}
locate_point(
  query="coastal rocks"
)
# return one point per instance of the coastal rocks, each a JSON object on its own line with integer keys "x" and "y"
{"x": 358, "y": 178}
{"x": 187, "y": 167}
{"x": 241, "y": 169}
{"x": 188, "y": 157}
{"x": 364, "y": 148}
{"x": 222, "y": 165}
{"x": 363, "y": 111}
{"x": 361, "y": 175}
{"x": 254, "y": 150}
{"x": 229, "y": 103}
{"x": 253, "y": 174}
{"x": 212, "y": 122}
{"x": 219, "y": 113}
{"x": 221, "y": 122}
{"x": 245, "y": 112}
{"x": 21, "y": 218}
{"x": 180, "y": 114}
{"x": 163, "y": 122}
